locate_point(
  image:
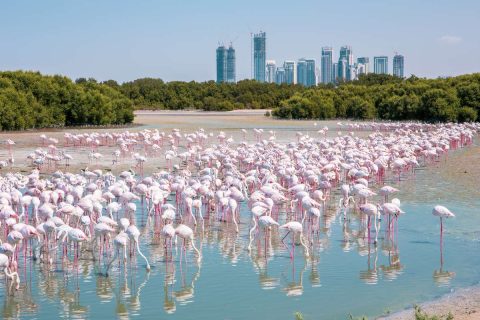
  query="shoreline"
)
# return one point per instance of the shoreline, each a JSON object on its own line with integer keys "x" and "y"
{"x": 463, "y": 304}
{"x": 183, "y": 112}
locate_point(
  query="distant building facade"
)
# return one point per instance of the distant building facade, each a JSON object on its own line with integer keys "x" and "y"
{"x": 345, "y": 63}
{"x": 344, "y": 72}
{"x": 364, "y": 64}
{"x": 306, "y": 72}
{"x": 398, "y": 65}
{"x": 221, "y": 64}
{"x": 380, "y": 65}
{"x": 226, "y": 64}
{"x": 335, "y": 72}
{"x": 280, "y": 75}
{"x": 290, "y": 74}
{"x": 271, "y": 71}
{"x": 327, "y": 73}
{"x": 231, "y": 65}
{"x": 259, "y": 56}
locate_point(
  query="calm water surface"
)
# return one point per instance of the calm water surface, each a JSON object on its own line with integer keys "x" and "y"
{"x": 344, "y": 274}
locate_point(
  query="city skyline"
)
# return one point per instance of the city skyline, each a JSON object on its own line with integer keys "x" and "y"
{"x": 125, "y": 41}
{"x": 305, "y": 71}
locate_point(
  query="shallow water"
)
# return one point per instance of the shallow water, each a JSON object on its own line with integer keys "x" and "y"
{"x": 344, "y": 275}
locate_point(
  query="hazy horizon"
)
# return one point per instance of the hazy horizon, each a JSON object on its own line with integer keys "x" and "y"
{"x": 124, "y": 41}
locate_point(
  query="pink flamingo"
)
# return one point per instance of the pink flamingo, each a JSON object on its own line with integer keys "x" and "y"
{"x": 442, "y": 212}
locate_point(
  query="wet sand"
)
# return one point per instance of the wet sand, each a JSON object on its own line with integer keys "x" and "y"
{"x": 464, "y": 304}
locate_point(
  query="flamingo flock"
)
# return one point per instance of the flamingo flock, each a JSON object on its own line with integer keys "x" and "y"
{"x": 51, "y": 215}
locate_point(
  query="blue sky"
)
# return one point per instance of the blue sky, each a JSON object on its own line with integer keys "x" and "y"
{"x": 176, "y": 40}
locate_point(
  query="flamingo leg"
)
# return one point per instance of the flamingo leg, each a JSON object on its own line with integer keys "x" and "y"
{"x": 291, "y": 256}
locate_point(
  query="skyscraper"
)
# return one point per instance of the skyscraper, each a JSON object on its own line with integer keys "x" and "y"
{"x": 306, "y": 72}
{"x": 221, "y": 64}
{"x": 365, "y": 61}
{"x": 302, "y": 72}
{"x": 380, "y": 65}
{"x": 280, "y": 75}
{"x": 343, "y": 73}
{"x": 335, "y": 72}
{"x": 398, "y": 66}
{"x": 327, "y": 65}
{"x": 347, "y": 55}
{"x": 259, "y": 56}
{"x": 271, "y": 71}
{"x": 231, "y": 61}
{"x": 225, "y": 64}
{"x": 290, "y": 74}
{"x": 311, "y": 73}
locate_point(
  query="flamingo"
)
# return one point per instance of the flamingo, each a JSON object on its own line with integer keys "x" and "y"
{"x": 186, "y": 233}
{"x": 120, "y": 243}
{"x": 6, "y": 265}
{"x": 134, "y": 235}
{"x": 442, "y": 212}
{"x": 371, "y": 211}
{"x": 294, "y": 227}
{"x": 168, "y": 232}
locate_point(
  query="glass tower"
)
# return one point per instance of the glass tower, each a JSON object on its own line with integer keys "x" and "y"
{"x": 221, "y": 64}
{"x": 398, "y": 66}
{"x": 380, "y": 65}
{"x": 311, "y": 73}
{"x": 231, "y": 61}
{"x": 335, "y": 72}
{"x": 280, "y": 75}
{"x": 327, "y": 65}
{"x": 259, "y": 56}
{"x": 364, "y": 64}
{"x": 306, "y": 72}
{"x": 290, "y": 74}
{"x": 302, "y": 72}
{"x": 344, "y": 72}
{"x": 271, "y": 71}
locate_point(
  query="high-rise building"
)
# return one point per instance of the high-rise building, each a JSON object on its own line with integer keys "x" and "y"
{"x": 280, "y": 75}
{"x": 306, "y": 72}
{"x": 259, "y": 56}
{"x": 271, "y": 71}
{"x": 344, "y": 72}
{"x": 327, "y": 65}
{"x": 221, "y": 64}
{"x": 335, "y": 72}
{"x": 231, "y": 61}
{"x": 357, "y": 70}
{"x": 347, "y": 55}
{"x": 290, "y": 74}
{"x": 311, "y": 73}
{"x": 365, "y": 61}
{"x": 225, "y": 64}
{"x": 302, "y": 72}
{"x": 380, "y": 65}
{"x": 398, "y": 66}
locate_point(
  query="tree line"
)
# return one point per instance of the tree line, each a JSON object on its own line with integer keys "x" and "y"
{"x": 155, "y": 94}
{"x": 389, "y": 98}
{"x": 33, "y": 100}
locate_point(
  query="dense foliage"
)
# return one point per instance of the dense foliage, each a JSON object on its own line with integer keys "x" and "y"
{"x": 150, "y": 93}
{"x": 388, "y": 98}
{"x": 32, "y": 100}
